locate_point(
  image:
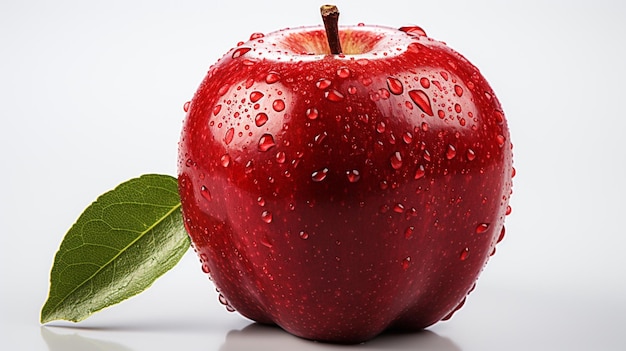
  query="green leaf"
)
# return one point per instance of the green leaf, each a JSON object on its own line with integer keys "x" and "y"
{"x": 117, "y": 248}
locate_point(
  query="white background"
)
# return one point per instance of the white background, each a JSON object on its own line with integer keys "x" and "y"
{"x": 91, "y": 94}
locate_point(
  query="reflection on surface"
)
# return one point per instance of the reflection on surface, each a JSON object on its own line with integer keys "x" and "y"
{"x": 75, "y": 342}
{"x": 260, "y": 337}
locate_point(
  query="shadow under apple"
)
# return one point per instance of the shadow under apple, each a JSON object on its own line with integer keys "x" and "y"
{"x": 263, "y": 337}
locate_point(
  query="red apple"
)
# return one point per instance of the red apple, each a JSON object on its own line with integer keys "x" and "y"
{"x": 340, "y": 195}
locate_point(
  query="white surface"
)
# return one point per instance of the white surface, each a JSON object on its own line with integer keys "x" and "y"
{"x": 91, "y": 94}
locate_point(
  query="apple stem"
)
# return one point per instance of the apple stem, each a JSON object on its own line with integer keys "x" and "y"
{"x": 330, "y": 16}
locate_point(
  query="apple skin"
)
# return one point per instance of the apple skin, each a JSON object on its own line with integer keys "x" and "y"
{"x": 338, "y": 196}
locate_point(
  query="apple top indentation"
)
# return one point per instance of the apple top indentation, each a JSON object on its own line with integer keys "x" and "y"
{"x": 310, "y": 43}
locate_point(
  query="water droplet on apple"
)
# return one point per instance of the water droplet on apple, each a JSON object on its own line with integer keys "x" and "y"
{"x": 449, "y": 315}
{"x": 323, "y": 83}
{"x": 217, "y": 109}
{"x": 281, "y": 157}
{"x": 457, "y": 108}
{"x": 441, "y": 114}
{"x": 499, "y": 116}
{"x": 352, "y": 90}
{"x": 225, "y": 160}
{"x": 266, "y": 142}
{"x": 278, "y": 105}
{"x": 426, "y": 156}
{"x": 223, "y": 89}
{"x": 422, "y": 101}
{"x": 249, "y": 83}
{"x": 501, "y": 237}
{"x": 223, "y": 301}
{"x": 312, "y": 113}
{"x": 398, "y": 208}
{"x": 304, "y": 235}
{"x": 260, "y": 201}
{"x": 205, "y": 268}
{"x": 425, "y": 83}
{"x": 256, "y": 96}
{"x": 407, "y": 137}
{"x": 343, "y": 72}
{"x": 513, "y": 172}
{"x": 319, "y": 138}
{"x": 450, "y": 152}
{"x": 408, "y": 233}
{"x": 413, "y": 30}
{"x": 481, "y": 228}
{"x": 206, "y": 194}
{"x": 248, "y": 167}
{"x": 186, "y": 106}
{"x": 444, "y": 75}
{"x": 249, "y": 62}
{"x": 374, "y": 96}
{"x": 380, "y": 127}
{"x": 254, "y": 36}
{"x": 353, "y": 176}
{"x": 420, "y": 172}
{"x": 333, "y": 95}
{"x": 228, "y": 138}
{"x": 500, "y": 139}
{"x": 464, "y": 254}
{"x": 395, "y": 86}
{"x": 414, "y": 47}
{"x": 508, "y": 210}
{"x": 396, "y": 160}
{"x": 320, "y": 175}
{"x": 471, "y": 154}
{"x": 272, "y": 78}
{"x": 363, "y": 61}
{"x": 406, "y": 263}
{"x": 240, "y": 51}
{"x": 424, "y": 126}
{"x": 458, "y": 307}
{"x": 266, "y": 216}
{"x": 438, "y": 85}
{"x": 458, "y": 90}
{"x": 260, "y": 119}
